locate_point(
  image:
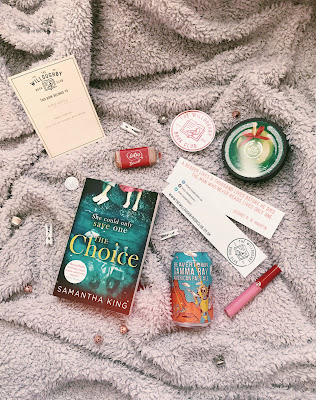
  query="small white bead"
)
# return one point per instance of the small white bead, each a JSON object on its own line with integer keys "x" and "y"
{"x": 72, "y": 183}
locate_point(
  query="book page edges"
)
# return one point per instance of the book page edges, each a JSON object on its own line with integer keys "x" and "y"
{"x": 145, "y": 250}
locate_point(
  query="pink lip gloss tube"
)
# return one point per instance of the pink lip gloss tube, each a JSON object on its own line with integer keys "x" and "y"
{"x": 252, "y": 291}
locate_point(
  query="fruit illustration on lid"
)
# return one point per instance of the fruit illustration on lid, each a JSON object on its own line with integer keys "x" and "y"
{"x": 254, "y": 150}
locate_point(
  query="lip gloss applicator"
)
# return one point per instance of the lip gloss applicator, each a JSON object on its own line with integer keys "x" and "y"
{"x": 252, "y": 291}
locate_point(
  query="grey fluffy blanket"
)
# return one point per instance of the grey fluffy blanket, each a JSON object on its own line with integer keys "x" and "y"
{"x": 143, "y": 59}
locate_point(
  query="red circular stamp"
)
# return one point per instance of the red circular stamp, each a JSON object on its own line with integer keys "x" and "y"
{"x": 192, "y": 130}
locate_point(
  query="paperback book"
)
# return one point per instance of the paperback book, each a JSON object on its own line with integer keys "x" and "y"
{"x": 107, "y": 245}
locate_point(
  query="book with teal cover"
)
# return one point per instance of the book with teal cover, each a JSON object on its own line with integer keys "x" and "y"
{"x": 107, "y": 245}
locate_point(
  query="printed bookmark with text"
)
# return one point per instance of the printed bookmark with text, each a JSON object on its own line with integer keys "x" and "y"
{"x": 229, "y": 240}
{"x": 234, "y": 202}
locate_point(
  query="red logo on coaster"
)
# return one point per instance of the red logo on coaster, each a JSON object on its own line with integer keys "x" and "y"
{"x": 192, "y": 130}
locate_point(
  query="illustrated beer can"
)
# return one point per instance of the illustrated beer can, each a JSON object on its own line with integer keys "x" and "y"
{"x": 191, "y": 294}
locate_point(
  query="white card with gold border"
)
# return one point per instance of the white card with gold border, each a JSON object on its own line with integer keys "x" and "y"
{"x": 58, "y": 104}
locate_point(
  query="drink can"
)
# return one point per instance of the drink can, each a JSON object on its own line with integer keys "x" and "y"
{"x": 191, "y": 294}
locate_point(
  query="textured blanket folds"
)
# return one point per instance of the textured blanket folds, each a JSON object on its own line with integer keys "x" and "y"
{"x": 142, "y": 59}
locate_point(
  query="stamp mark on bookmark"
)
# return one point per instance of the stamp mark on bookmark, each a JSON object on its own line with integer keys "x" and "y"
{"x": 241, "y": 252}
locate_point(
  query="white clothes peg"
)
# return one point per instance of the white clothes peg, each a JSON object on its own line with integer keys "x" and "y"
{"x": 129, "y": 128}
{"x": 49, "y": 234}
{"x": 169, "y": 234}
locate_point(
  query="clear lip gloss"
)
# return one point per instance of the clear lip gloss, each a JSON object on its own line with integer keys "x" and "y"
{"x": 252, "y": 291}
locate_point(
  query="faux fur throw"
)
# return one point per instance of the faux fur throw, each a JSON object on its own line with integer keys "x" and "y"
{"x": 142, "y": 59}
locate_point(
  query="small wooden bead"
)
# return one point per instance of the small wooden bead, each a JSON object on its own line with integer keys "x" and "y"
{"x": 28, "y": 289}
{"x": 98, "y": 339}
{"x": 16, "y": 221}
{"x": 236, "y": 114}
{"x": 123, "y": 329}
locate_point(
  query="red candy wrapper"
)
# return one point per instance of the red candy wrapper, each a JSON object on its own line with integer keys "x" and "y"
{"x": 138, "y": 157}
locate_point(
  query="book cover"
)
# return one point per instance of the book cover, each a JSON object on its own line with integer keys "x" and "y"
{"x": 107, "y": 245}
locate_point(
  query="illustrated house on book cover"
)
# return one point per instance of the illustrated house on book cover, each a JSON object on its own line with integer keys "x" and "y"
{"x": 107, "y": 245}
